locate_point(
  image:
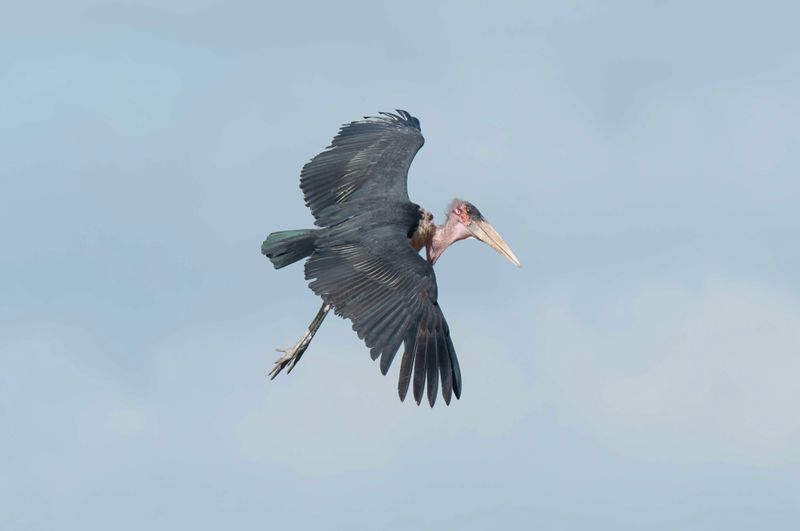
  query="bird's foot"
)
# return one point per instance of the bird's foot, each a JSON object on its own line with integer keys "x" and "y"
{"x": 289, "y": 359}
{"x": 293, "y": 354}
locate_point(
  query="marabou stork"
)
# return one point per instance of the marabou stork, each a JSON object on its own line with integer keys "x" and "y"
{"x": 364, "y": 260}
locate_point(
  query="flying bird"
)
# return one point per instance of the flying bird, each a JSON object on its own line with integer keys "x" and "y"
{"x": 363, "y": 257}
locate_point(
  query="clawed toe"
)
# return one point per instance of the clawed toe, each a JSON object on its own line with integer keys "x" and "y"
{"x": 290, "y": 355}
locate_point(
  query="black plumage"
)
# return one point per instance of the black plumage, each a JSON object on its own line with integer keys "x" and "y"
{"x": 368, "y": 159}
{"x": 366, "y": 269}
{"x": 363, "y": 259}
{"x": 360, "y": 259}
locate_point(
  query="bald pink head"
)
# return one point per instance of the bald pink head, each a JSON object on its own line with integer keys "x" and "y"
{"x": 464, "y": 221}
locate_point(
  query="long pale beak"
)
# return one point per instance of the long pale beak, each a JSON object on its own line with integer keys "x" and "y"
{"x": 484, "y": 231}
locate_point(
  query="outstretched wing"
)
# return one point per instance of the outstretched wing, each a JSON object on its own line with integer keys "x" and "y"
{"x": 369, "y": 157}
{"x": 375, "y": 279}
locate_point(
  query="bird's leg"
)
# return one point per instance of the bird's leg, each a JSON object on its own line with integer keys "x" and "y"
{"x": 293, "y": 354}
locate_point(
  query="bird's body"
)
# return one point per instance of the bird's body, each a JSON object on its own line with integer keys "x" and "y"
{"x": 364, "y": 260}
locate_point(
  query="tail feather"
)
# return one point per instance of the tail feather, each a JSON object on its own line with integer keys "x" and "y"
{"x": 288, "y": 246}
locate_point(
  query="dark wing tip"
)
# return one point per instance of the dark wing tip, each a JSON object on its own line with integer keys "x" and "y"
{"x": 406, "y": 117}
{"x": 405, "y": 373}
{"x": 429, "y": 359}
{"x": 403, "y": 118}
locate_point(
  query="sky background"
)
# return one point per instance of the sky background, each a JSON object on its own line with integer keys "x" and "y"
{"x": 639, "y": 372}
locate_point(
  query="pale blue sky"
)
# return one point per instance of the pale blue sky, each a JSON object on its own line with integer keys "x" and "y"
{"x": 639, "y": 372}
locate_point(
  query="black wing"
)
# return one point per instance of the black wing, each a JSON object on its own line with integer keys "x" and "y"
{"x": 373, "y": 277}
{"x": 370, "y": 158}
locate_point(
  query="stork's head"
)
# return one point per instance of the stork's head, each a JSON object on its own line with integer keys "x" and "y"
{"x": 464, "y": 220}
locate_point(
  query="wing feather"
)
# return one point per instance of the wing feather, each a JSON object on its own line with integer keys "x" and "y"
{"x": 406, "y": 365}
{"x": 421, "y": 351}
{"x": 445, "y": 367}
{"x": 367, "y": 158}
{"x": 456, "y": 368}
{"x": 375, "y": 278}
{"x": 432, "y": 361}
